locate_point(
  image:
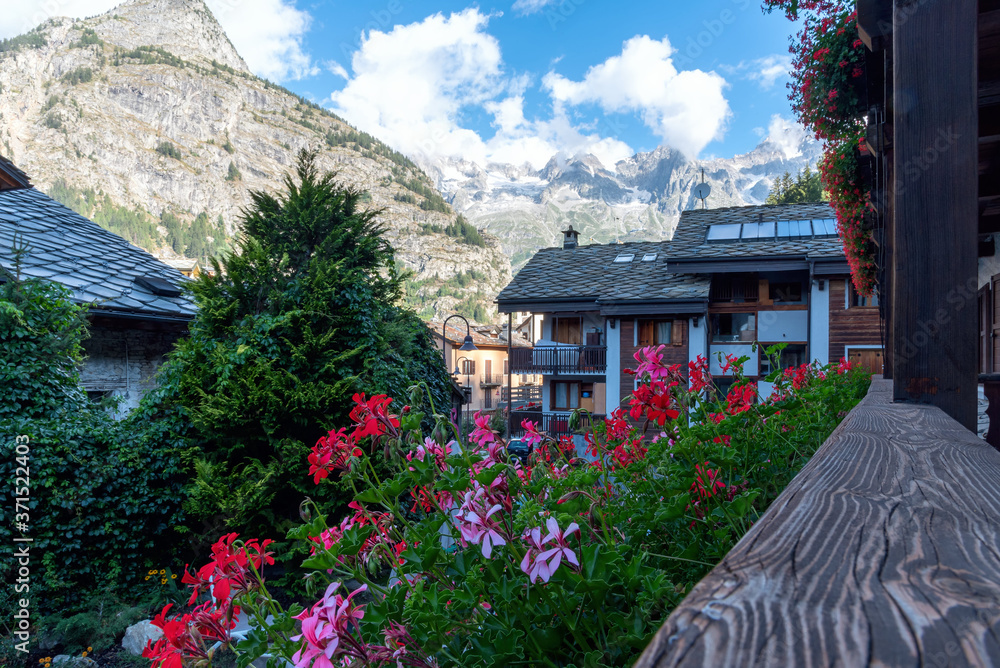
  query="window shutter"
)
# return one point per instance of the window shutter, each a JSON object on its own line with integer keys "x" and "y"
{"x": 677, "y": 335}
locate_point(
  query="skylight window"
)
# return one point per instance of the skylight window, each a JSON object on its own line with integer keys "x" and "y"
{"x": 649, "y": 257}
{"x": 624, "y": 258}
{"x": 726, "y": 232}
{"x": 825, "y": 227}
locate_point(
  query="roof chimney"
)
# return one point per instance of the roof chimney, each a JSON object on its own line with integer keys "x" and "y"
{"x": 570, "y": 238}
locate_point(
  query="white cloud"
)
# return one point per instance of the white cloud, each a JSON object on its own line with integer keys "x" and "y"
{"x": 787, "y": 135}
{"x": 686, "y": 109}
{"x": 336, "y": 69}
{"x": 20, "y": 17}
{"x": 411, "y": 85}
{"x": 766, "y": 71}
{"x": 532, "y": 6}
{"x": 267, "y": 33}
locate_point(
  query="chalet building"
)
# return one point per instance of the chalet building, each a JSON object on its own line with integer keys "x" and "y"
{"x": 484, "y": 373}
{"x": 728, "y": 279}
{"x": 136, "y": 309}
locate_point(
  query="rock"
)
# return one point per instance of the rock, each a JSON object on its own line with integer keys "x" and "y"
{"x": 67, "y": 661}
{"x": 138, "y": 635}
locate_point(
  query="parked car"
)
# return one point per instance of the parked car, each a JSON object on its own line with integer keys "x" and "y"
{"x": 518, "y": 448}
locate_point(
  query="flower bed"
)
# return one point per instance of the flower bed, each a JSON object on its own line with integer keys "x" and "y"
{"x": 468, "y": 557}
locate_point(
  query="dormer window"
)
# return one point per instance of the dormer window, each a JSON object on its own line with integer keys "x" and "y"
{"x": 624, "y": 258}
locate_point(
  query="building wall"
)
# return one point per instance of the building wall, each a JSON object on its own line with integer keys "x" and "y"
{"x": 850, "y": 326}
{"x": 496, "y": 355}
{"x": 613, "y": 397}
{"x": 819, "y": 325}
{"x": 672, "y": 354}
{"x": 123, "y": 362}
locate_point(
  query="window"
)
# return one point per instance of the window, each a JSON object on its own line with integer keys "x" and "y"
{"x": 624, "y": 258}
{"x": 726, "y": 288}
{"x": 565, "y": 396}
{"x": 649, "y": 257}
{"x": 857, "y": 300}
{"x": 786, "y": 292}
{"x": 734, "y": 327}
{"x": 660, "y": 332}
{"x": 568, "y": 330}
{"x": 791, "y": 356}
{"x": 726, "y": 232}
{"x": 506, "y": 367}
{"x": 469, "y": 367}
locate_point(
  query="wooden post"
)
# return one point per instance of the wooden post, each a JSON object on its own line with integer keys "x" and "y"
{"x": 935, "y": 282}
{"x": 510, "y": 373}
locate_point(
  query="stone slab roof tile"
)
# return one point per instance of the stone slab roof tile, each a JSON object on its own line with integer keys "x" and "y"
{"x": 99, "y": 266}
{"x": 590, "y": 272}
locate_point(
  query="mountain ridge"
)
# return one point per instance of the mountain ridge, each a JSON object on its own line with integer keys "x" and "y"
{"x": 101, "y": 111}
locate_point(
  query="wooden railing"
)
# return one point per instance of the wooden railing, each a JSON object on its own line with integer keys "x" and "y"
{"x": 523, "y": 394}
{"x": 559, "y": 359}
{"x": 553, "y": 424}
{"x": 884, "y": 550}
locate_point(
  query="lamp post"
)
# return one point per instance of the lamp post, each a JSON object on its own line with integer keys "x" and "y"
{"x": 467, "y": 388}
{"x": 466, "y": 346}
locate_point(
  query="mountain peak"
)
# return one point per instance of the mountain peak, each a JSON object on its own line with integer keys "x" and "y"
{"x": 185, "y": 28}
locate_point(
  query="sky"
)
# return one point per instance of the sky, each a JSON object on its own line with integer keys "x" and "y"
{"x": 518, "y": 80}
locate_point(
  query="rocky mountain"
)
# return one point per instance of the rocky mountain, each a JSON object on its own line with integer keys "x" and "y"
{"x": 147, "y": 119}
{"x": 637, "y": 199}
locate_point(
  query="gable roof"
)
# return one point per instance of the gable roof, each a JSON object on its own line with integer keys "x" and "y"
{"x": 586, "y": 277}
{"x": 590, "y": 273}
{"x": 689, "y": 241}
{"x": 456, "y": 336}
{"x": 101, "y": 268}
{"x": 11, "y": 176}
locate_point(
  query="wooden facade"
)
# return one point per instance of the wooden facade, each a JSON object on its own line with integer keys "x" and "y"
{"x": 675, "y": 353}
{"x": 854, "y": 328}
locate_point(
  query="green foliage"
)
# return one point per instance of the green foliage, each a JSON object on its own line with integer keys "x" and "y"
{"x": 432, "y": 200}
{"x": 369, "y": 146}
{"x": 291, "y": 325}
{"x": 234, "y": 173}
{"x": 53, "y": 120}
{"x": 807, "y": 187}
{"x": 31, "y": 40}
{"x": 460, "y": 229}
{"x": 78, "y": 76}
{"x": 169, "y": 150}
{"x": 228, "y": 147}
{"x": 149, "y": 55}
{"x": 134, "y": 225}
{"x": 87, "y": 37}
{"x": 102, "y": 495}
{"x": 41, "y": 331}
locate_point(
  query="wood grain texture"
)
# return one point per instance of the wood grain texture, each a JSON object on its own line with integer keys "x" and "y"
{"x": 850, "y": 326}
{"x": 884, "y": 550}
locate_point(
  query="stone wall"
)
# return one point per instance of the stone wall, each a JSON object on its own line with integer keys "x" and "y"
{"x": 123, "y": 362}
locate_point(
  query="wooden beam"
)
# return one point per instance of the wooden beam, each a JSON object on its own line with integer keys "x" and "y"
{"x": 883, "y": 551}
{"x": 874, "y": 22}
{"x": 936, "y": 209}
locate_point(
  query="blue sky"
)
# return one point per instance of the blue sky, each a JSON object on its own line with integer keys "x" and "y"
{"x": 521, "y": 80}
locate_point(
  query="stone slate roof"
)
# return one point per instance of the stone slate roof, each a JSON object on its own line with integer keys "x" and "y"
{"x": 689, "y": 237}
{"x": 589, "y": 272}
{"x": 456, "y": 336}
{"x": 99, "y": 267}
{"x": 14, "y": 176}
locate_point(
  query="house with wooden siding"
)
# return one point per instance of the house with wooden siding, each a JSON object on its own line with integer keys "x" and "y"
{"x": 732, "y": 281}
{"x": 136, "y": 308}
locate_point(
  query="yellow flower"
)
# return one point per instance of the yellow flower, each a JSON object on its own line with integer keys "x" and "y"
{"x": 90, "y": 649}
{"x": 163, "y": 581}
{"x": 83, "y": 654}
{"x": 173, "y": 577}
{"x": 163, "y": 571}
{"x": 147, "y": 577}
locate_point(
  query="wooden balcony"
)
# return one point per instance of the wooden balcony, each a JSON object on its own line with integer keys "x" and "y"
{"x": 553, "y": 424}
{"x": 884, "y": 550}
{"x": 523, "y": 394}
{"x": 563, "y": 359}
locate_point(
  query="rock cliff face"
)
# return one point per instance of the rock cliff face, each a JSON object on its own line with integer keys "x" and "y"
{"x": 637, "y": 199}
{"x": 150, "y": 105}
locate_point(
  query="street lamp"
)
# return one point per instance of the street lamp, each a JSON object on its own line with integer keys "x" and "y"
{"x": 467, "y": 345}
{"x": 467, "y": 389}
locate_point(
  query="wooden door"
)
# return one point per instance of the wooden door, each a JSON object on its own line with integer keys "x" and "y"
{"x": 488, "y": 370}
{"x": 866, "y": 358}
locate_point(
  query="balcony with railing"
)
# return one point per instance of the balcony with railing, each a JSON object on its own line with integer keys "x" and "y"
{"x": 491, "y": 380}
{"x": 523, "y": 394}
{"x": 553, "y": 424}
{"x": 560, "y": 359}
